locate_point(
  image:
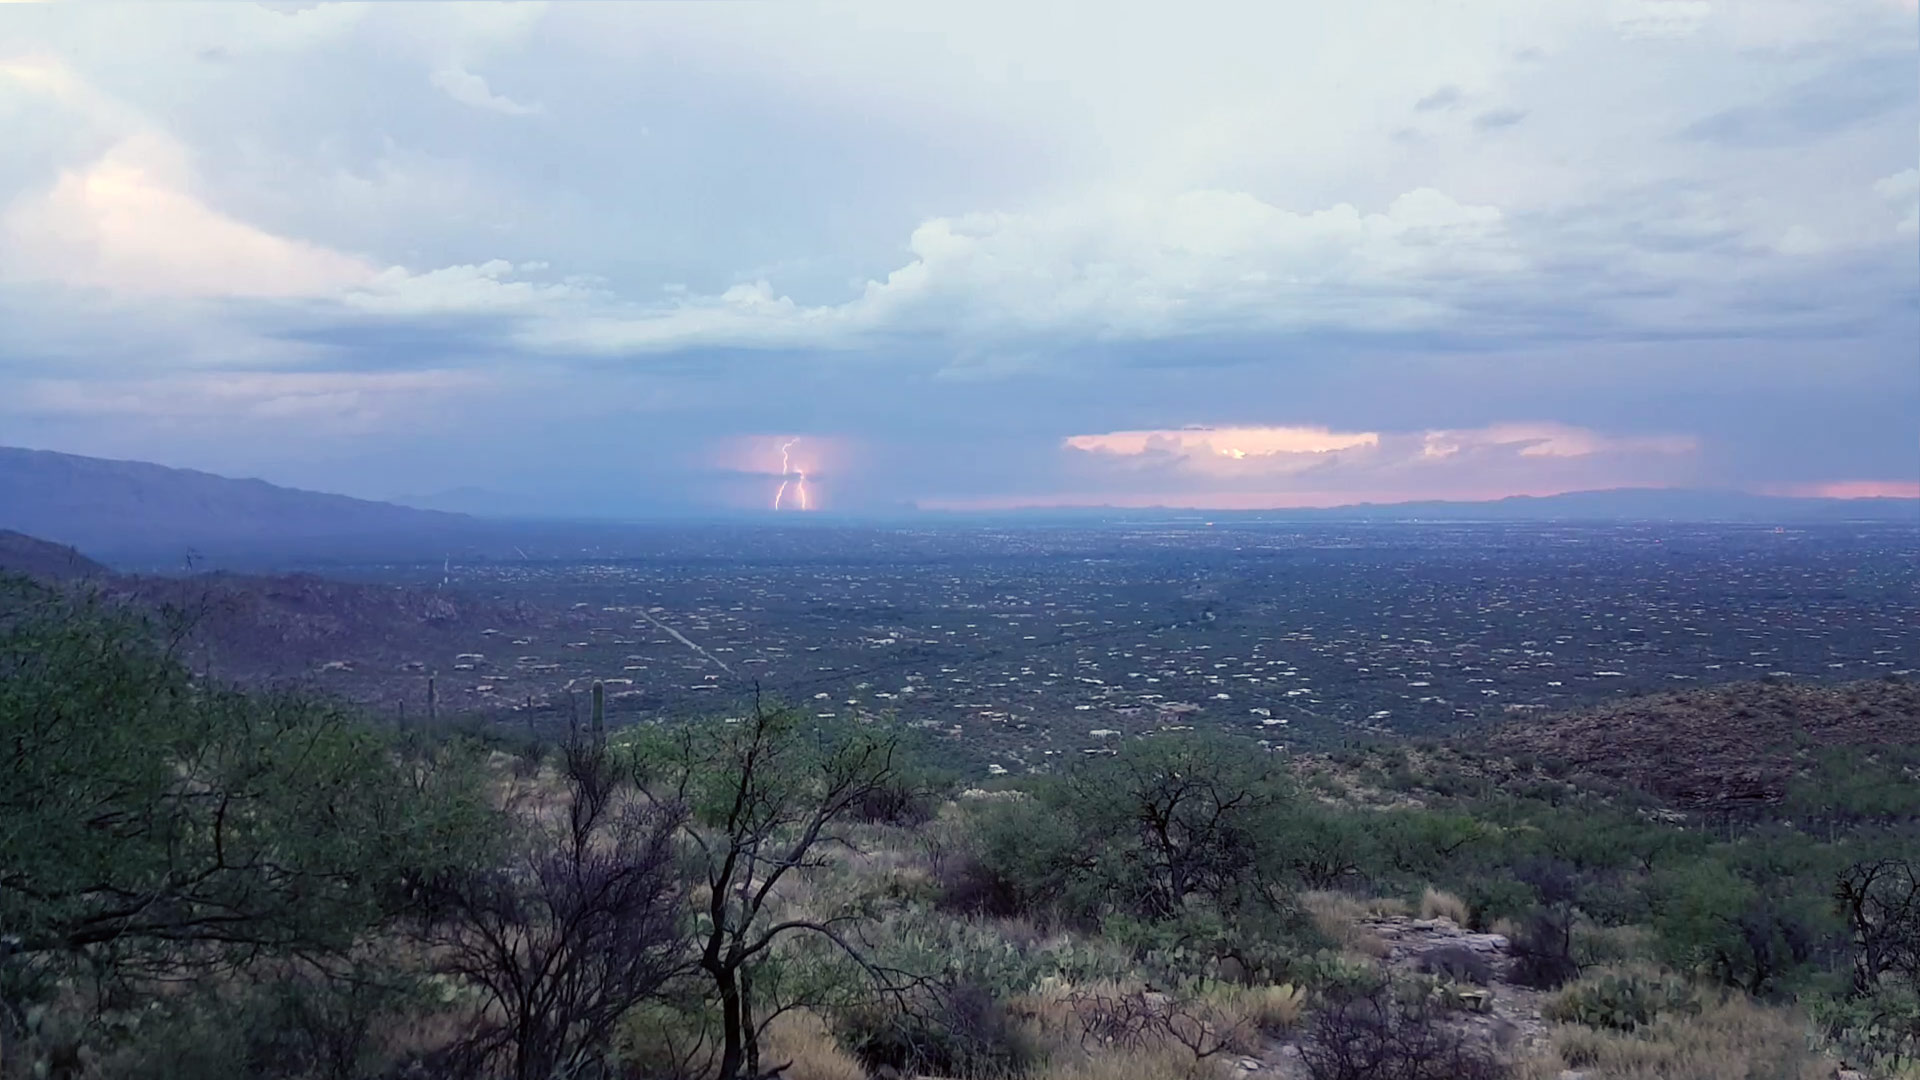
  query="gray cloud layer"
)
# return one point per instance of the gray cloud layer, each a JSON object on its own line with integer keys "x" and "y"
{"x": 388, "y": 249}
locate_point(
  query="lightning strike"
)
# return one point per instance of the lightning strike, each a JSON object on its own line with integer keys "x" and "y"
{"x": 791, "y": 477}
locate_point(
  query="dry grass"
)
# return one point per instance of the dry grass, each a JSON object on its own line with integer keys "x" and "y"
{"x": 1269, "y": 1009}
{"x": 803, "y": 1038}
{"x": 1731, "y": 1039}
{"x": 1437, "y": 904}
{"x": 1340, "y": 918}
{"x": 1163, "y": 1064}
{"x": 1122, "y": 1020}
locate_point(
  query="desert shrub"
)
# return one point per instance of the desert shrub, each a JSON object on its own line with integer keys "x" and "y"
{"x": 1497, "y": 896}
{"x": 802, "y": 1046}
{"x": 1169, "y": 820}
{"x": 1435, "y": 904}
{"x": 964, "y": 882}
{"x": 957, "y": 1030}
{"x": 1420, "y": 845}
{"x": 1734, "y": 1038}
{"x": 578, "y": 926}
{"x": 1881, "y": 1029}
{"x": 1269, "y": 1009}
{"x": 1622, "y": 1001}
{"x": 1542, "y": 948}
{"x": 1022, "y": 858}
{"x": 1165, "y": 1063}
{"x": 173, "y": 851}
{"x": 1711, "y": 919}
{"x": 1322, "y": 849}
{"x": 909, "y": 799}
{"x": 1338, "y": 919}
{"x": 668, "y": 1038}
{"x": 299, "y": 1023}
{"x": 1374, "y": 1033}
{"x": 1598, "y": 946}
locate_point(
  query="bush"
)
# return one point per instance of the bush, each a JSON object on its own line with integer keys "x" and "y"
{"x": 903, "y": 801}
{"x": 1376, "y": 1034}
{"x": 1881, "y": 1029}
{"x": 960, "y": 1030}
{"x": 1622, "y": 1001}
{"x": 965, "y": 883}
{"x": 1493, "y": 897}
{"x": 1543, "y": 950}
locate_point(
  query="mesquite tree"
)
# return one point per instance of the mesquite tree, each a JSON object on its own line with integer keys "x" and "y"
{"x": 578, "y": 927}
{"x": 766, "y": 795}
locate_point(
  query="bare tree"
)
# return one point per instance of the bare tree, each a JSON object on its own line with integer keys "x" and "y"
{"x": 767, "y": 795}
{"x": 580, "y": 926}
{"x": 1880, "y": 899}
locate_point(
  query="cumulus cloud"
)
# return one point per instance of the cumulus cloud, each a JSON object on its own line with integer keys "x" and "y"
{"x": 1902, "y": 191}
{"x": 468, "y": 88}
{"x": 1316, "y": 466}
{"x": 1222, "y": 263}
{"x": 1550, "y": 440}
{"x": 127, "y": 223}
{"x": 1231, "y": 451}
{"x": 1123, "y": 269}
{"x": 483, "y": 288}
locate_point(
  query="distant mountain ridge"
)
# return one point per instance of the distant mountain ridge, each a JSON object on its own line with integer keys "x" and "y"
{"x": 113, "y": 509}
{"x": 133, "y": 513}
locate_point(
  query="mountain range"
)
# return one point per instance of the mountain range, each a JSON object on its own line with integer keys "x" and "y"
{"x": 138, "y": 513}
{"x": 134, "y": 510}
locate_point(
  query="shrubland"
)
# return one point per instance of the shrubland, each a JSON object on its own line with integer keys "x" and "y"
{"x": 201, "y": 881}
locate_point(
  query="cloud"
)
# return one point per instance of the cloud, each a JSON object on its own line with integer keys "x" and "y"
{"x": 1027, "y": 235}
{"x": 1215, "y": 264}
{"x": 468, "y": 88}
{"x": 1255, "y": 467}
{"x": 336, "y": 398}
{"x": 1902, "y": 191}
{"x": 1859, "y": 489}
{"x": 1549, "y": 440}
{"x": 127, "y": 223}
{"x": 483, "y": 288}
{"x": 1495, "y": 119}
{"x": 1125, "y": 269}
{"x": 1232, "y": 451}
{"x": 1655, "y": 19}
{"x": 1843, "y": 96}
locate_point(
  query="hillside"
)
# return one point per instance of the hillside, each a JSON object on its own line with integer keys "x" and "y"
{"x": 131, "y": 510}
{"x": 33, "y": 557}
{"x": 1727, "y": 746}
{"x": 370, "y": 643}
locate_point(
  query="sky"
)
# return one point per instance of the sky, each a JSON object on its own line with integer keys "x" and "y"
{"x": 599, "y": 259}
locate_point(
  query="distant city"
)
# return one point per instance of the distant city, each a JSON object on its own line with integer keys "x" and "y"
{"x": 1029, "y": 644}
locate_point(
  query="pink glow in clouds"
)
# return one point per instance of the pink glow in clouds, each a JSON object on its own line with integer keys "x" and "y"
{"x": 1858, "y": 489}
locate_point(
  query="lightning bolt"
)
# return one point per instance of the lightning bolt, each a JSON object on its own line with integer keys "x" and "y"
{"x": 790, "y": 476}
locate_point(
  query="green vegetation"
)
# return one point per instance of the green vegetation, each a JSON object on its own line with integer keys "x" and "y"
{"x": 199, "y": 881}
